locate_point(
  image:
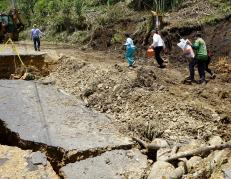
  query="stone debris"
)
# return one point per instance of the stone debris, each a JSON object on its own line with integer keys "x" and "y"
{"x": 215, "y": 140}
{"x": 162, "y": 170}
{"x": 38, "y": 158}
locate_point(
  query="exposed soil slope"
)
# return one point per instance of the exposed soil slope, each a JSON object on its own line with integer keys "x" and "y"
{"x": 149, "y": 101}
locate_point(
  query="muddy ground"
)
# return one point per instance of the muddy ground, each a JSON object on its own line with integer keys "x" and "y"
{"x": 148, "y": 101}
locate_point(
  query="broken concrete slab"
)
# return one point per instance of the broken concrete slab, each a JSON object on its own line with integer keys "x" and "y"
{"x": 116, "y": 164}
{"x": 17, "y": 166}
{"x": 42, "y": 114}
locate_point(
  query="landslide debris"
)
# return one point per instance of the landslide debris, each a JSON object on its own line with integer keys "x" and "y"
{"x": 148, "y": 101}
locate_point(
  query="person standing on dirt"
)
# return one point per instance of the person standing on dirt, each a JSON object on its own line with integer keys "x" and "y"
{"x": 130, "y": 50}
{"x": 35, "y": 36}
{"x": 190, "y": 55}
{"x": 201, "y": 56}
{"x": 158, "y": 45}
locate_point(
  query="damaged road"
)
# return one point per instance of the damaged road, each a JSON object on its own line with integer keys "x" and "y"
{"x": 38, "y": 117}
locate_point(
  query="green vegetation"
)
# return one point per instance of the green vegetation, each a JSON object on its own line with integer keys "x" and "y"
{"x": 75, "y": 20}
{"x": 223, "y": 5}
{"x": 223, "y": 8}
{"x": 4, "y": 5}
{"x": 157, "y": 5}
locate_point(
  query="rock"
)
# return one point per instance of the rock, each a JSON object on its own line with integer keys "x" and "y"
{"x": 224, "y": 95}
{"x": 100, "y": 85}
{"x": 3, "y": 160}
{"x": 162, "y": 170}
{"x": 16, "y": 163}
{"x": 47, "y": 82}
{"x": 178, "y": 172}
{"x": 215, "y": 140}
{"x": 194, "y": 144}
{"x": 160, "y": 142}
{"x": 227, "y": 173}
{"x": 88, "y": 92}
{"x": 116, "y": 88}
{"x": 63, "y": 92}
{"x": 225, "y": 119}
{"x": 218, "y": 157}
{"x": 192, "y": 162}
{"x": 61, "y": 56}
{"x": 161, "y": 88}
{"x": 163, "y": 153}
{"x": 38, "y": 158}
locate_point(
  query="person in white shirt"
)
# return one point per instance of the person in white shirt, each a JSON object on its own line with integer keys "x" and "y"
{"x": 158, "y": 45}
{"x": 130, "y": 50}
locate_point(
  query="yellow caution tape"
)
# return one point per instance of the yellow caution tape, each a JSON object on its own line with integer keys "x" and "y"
{"x": 14, "y": 48}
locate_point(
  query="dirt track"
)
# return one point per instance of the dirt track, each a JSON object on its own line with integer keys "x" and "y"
{"x": 147, "y": 101}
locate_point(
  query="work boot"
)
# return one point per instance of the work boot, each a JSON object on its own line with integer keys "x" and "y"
{"x": 202, "y": 82}
{"x": 189, "y": 81}
{"x": 130, "y": 67}
{"x": 162, "y": 66}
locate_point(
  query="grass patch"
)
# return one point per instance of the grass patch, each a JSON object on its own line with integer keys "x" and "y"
{"x": 223, "y": 5}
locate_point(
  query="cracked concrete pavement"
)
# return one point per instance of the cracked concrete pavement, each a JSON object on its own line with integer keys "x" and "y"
{"x": 44, "y": 115}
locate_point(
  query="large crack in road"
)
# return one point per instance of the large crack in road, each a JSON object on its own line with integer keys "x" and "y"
{"x": 77, "y": 141}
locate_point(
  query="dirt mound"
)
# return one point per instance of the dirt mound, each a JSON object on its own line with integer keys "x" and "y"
{"x": 192, "y": 13}
{"x": 222, "y": 66}
{"x": 148, "y": 101}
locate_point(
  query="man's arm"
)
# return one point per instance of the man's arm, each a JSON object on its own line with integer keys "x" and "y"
{"x": 41, "y": 33}
{"x": 196, "y": 45}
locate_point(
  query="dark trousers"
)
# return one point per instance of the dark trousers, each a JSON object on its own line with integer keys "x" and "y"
{"x": 201, "y": 64}
{"x": 159, "y": 60}
{"x": 192, "y": 65}
{"x": 207, "y": 66}
{"x": 36, "y": 43}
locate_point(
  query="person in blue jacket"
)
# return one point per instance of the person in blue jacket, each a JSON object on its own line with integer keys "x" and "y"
{"x": 35, "y": 36}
